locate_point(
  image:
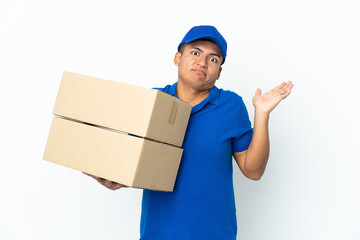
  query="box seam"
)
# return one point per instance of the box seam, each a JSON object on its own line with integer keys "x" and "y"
{"x": 139, "y": 162}
{"x": 151, "y": 116}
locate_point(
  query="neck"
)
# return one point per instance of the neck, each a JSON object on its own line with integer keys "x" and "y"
{"x": 190, "y": 95}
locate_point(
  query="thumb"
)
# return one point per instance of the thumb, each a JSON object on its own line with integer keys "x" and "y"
{"x": 258, "y": 92}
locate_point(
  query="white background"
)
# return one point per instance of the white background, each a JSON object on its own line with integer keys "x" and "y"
{"x": 310, "y": 189}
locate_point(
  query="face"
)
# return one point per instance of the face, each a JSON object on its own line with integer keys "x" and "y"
{"x": 199, "y": 65}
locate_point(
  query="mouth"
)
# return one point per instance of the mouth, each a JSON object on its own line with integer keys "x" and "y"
{"x": 199, "y": 72}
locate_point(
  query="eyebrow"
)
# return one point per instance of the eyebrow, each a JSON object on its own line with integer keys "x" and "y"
{"x": 214, "y": 54}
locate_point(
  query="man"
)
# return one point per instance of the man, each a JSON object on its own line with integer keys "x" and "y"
{"x": 202, "y": 205}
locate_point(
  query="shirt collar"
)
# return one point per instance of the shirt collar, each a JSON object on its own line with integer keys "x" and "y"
{"x": 213, "y": 97}
{"x": 172, "y": 90}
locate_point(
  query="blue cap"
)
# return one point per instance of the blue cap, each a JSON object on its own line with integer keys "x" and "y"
{"x": 206, "y": 32}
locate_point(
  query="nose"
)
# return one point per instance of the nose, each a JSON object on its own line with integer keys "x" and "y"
{"x": 203, "y": 61}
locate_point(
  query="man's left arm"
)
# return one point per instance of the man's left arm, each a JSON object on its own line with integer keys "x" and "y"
{"x": 252, "y": 162}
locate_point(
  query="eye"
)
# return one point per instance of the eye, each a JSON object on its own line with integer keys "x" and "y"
{"x": 196, "y": 53}
{"x": 213, "y": 59}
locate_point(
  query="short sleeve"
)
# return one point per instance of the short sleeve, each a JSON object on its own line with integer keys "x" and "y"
{"x": 242, "y": 128}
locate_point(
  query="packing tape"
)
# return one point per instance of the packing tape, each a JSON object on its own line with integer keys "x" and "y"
{"x": 173, "y": 111}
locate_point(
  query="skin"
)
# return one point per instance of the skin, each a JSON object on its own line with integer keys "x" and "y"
{"x": 199, "y": 67}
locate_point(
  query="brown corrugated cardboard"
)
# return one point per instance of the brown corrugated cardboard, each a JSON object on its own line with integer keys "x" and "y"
{"x": 140, "y": 111}
{"x": 130, "y": 160}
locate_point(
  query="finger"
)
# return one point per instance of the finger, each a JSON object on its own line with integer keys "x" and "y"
{"x": 107, "y": 183}
{"x": 110, "y": 184}
{"x": 103, "y": 181}
{"x": 289, "y": 85}
{"x": 286, "y": 93}
{"x": 287, "y": 89}
{"x": 115, "y": 185}
{"x": 280, "y": 86}
{"x": 258, "y": 92}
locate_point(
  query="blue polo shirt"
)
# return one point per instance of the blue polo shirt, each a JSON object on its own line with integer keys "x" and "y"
{"x": 202, "y": 205}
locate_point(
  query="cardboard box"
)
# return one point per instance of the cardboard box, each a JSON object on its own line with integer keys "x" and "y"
{"x": 140, "y": 111}
{"x": 130, "y": 160}
{"x": 124, "y": 133}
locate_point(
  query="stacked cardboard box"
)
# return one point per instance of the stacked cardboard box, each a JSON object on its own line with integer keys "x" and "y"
{"x": 127, "y": 134}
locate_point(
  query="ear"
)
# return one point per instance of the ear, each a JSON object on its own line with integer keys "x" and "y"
{"x": 220, "y": 69}
{"x": 177, "y": 58}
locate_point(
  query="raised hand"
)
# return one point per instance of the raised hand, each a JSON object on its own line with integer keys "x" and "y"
{"x": 266, "y": 102}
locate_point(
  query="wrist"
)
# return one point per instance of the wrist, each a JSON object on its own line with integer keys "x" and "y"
{"x": 261, "y": 114}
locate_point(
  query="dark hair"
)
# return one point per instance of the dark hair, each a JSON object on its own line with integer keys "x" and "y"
{"x": 182, "y": 48}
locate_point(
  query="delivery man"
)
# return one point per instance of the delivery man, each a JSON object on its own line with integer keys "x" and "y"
{"x": 202, "y": 205}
